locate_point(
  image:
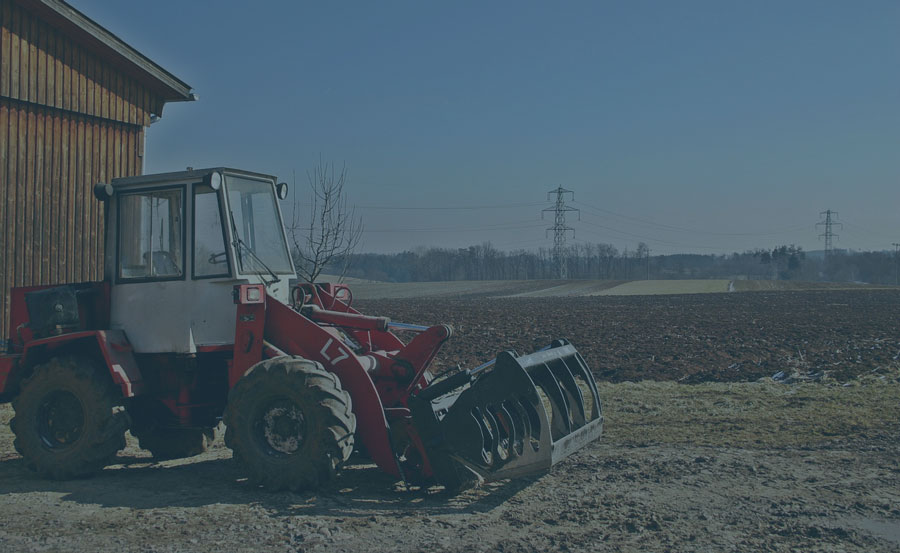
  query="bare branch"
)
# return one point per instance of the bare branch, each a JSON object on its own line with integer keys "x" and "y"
{"x": 334, "y": 229}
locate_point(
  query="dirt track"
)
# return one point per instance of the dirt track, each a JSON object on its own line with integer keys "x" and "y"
{"x": 810, "y": 466}
{"x": 690, "y": 484}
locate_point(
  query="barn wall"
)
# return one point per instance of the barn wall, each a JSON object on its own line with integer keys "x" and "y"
{"x": 42, "y": 66}
{"x": 68, "y": 119}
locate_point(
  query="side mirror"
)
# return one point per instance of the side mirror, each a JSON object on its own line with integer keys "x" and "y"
{"x": 103, "y": 191}
{"x": 281, "y": 190}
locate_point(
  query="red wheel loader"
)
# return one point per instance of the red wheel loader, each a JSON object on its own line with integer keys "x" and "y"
{"x": 196, "y": 322}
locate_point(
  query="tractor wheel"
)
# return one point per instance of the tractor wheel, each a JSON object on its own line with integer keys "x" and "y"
{"x": 68, "y": 421}
{"x": 174, "y": 443}
{"x": 289, "y": 424}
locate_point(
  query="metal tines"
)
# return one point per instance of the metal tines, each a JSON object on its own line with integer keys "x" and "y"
{"x": 525, "y": 414}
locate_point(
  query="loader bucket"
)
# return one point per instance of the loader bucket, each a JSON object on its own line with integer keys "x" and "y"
{"x": 513, "y": 416}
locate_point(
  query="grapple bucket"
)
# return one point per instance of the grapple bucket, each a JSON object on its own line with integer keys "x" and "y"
{"x": 511, "y": 417}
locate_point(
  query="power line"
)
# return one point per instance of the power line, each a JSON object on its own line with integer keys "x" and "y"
{"x": 647, "y": 238}
{"x": 865, "y": 229}
{"x": 433, "y": 208}
{"x": 447, "y": 208}
{"x": 559, "y": 227}
{"x": 513, "y": 225}
{"x": 686, "y": 229}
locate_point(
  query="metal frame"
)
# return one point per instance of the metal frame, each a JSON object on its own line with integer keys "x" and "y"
{"x": 227, "y": 223}
{"x": 225, "y": 241}
{"x": 189, "y": 175}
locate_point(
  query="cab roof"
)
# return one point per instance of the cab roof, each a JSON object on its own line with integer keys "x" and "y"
{"x": 189, "y": 175}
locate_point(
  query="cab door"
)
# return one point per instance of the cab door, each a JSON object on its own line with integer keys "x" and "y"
{"x": 171, "y": 287}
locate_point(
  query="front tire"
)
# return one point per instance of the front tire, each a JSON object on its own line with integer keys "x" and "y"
{"x": 69, "y": 422}
{"x": 289, "y": 424}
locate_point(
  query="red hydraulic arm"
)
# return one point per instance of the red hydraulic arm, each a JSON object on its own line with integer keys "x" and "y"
{"x": 373, "y": 365}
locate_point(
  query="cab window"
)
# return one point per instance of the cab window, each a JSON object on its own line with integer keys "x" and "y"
{"x": 151, "y": 235}
{"x": 259, "y": 236}
{"x": 210, "y": 253}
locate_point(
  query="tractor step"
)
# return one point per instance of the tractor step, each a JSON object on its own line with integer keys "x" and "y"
{"x": 513, "y": 416}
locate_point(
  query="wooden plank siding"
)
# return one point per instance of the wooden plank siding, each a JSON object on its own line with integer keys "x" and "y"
{"x": 51, "y": 224}
{"x": 36, "y": 58}
{"x": 68, "y": 120}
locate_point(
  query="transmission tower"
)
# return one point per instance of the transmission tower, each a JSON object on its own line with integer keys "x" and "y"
{"x": 896, "y": 263}
{"x": 559, "y": 227}
{"x": 829, "y": 234}
{"x": 648, "y": 263}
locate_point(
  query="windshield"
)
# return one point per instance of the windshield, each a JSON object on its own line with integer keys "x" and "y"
{"x": 257, "y": 226}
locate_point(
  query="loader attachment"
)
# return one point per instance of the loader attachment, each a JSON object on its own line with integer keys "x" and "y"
{"x": 510, "y": 417}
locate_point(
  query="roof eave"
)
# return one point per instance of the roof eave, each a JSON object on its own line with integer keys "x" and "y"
{"x": 84, "y": 29}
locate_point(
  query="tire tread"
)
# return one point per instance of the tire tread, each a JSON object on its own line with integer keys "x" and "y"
{"x": 101, "y": 447}
{"x": 328, "y": 403}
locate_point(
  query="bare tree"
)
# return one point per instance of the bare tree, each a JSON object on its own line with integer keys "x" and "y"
{"x": 334, "y": 229}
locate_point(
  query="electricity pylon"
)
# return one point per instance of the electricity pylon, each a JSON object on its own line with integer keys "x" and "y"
{"x": 559, "y": 228}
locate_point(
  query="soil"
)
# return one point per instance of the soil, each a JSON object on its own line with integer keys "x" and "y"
{"x": 725, "y": 463}
{"x": 687, "y": 338}
{"x": 363, "y": 289}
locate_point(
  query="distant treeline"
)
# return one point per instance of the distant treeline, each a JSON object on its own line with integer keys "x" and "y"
{"x": 604, "y": 261}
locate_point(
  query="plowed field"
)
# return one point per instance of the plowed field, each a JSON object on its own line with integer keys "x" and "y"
{"x": 685, "y": 338}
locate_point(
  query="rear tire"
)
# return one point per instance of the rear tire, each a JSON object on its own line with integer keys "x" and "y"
{"x": 68, "y": 421}
{"x": 289, "y": 424}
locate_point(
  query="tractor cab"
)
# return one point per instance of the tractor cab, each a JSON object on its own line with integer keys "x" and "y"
{"x": 178, "y": 243}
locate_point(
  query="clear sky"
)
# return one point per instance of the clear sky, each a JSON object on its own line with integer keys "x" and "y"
{"x": 695, "y": 126}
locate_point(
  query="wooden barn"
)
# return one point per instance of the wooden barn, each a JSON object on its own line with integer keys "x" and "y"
{"x": 75, "y": 102}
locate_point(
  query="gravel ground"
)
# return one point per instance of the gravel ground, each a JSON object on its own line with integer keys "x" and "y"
{"x": 757, "y": 466}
